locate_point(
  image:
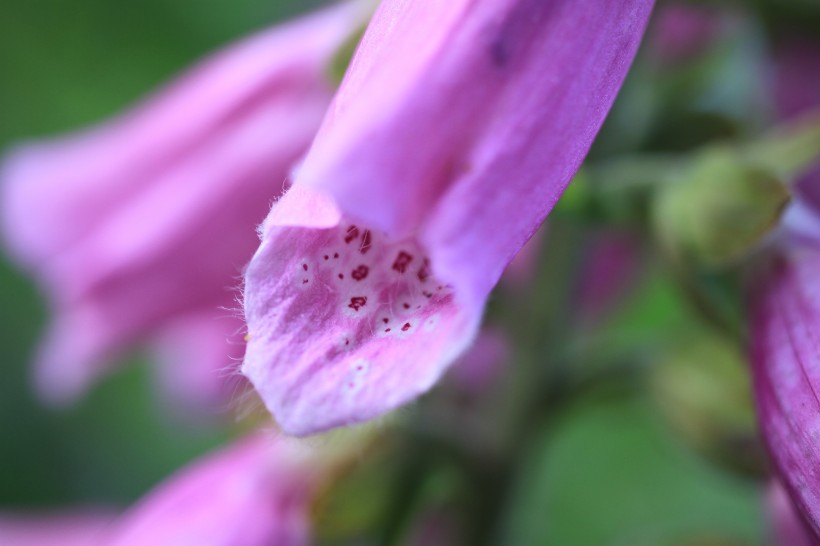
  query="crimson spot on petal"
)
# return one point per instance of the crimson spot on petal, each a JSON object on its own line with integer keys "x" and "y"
{"x": 357, "y": 302}
{"x": 352, "y": 233}
{"x": 402, "y": 261}
{"x": 360, "y": 272}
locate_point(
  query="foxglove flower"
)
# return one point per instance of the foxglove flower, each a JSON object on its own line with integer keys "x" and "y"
{"x": 139, "y": 229}
{"x": 256, "y": 492}
{"x": 456, "y": 129}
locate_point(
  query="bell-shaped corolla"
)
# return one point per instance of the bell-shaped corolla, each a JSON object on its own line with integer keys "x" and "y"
{"x": 457, "y": 127}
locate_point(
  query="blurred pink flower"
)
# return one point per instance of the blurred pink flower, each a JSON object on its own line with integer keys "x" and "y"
{"x": 480, "y": 365}
{"x": 796, "y": 91}
{"x": 456, "y": 129}
{"x": 139, "y": 229}
{"x": 796, "y": 75}
{"x": 76, "y": 528}
{"x": 680, "y": 32}
{"x": 611, "y": 262}
{"x": 787, "y": 526}
{"x": 254, "y": 493}
{"x": 435, "y": 526}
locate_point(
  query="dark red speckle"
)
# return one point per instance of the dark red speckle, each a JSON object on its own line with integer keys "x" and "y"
{"x": 352, "y": 233}
{"x": 424, "y": 272}
{"x": 305, "y": 267}
{"x": 402, "y": 261}
{"x": 357, "y": 302}
{"x": 405, "y": 327}
{"x": 360, "y": 273}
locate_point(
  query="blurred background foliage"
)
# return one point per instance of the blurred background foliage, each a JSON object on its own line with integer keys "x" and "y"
{"x": 633, "y": 442}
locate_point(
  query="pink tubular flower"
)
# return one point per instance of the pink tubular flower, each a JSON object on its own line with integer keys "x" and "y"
{"x": 457, "y": 127}
{"x": 140, "y": 227}
{"x": 256, "y": 492}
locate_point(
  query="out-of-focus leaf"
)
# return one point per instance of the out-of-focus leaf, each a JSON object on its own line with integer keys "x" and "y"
{"x": 608, "y": 474}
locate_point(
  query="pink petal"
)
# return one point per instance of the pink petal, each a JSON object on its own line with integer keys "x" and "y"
{"x": 256, "y": 492}
{"x": 456, "y": 129}
{"x": 152, "y": 216}
{"x": 71, "y": 528}
{"x": 786, "y": 360}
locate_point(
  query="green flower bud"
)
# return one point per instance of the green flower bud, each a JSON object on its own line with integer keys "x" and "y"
{"x": 702, "y": 388}
{"x": 718, "y": 210}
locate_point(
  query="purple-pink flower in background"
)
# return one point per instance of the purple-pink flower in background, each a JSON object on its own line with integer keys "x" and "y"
{"x": 457, "y": 127}
{"x": 680, "y": 32}
{"x": 256, "y": 492}
{"x": 138, "y": 229}
{"x": 479, "y": 367}
{"x": 610, "y": 264}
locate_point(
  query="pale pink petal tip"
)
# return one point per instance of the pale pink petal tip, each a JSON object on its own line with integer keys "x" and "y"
{"x": 344, "y": 324}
